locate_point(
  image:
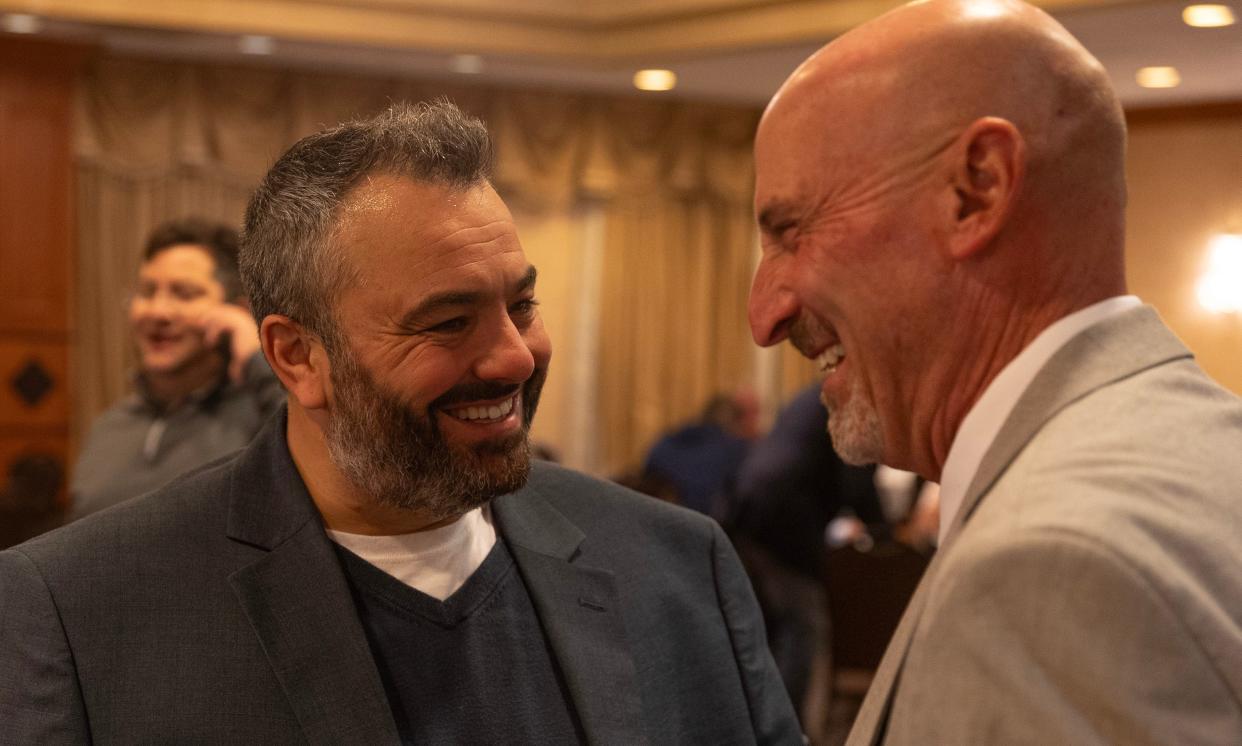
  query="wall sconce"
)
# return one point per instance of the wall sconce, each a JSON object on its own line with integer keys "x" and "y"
{"x": 1220, "y": 287}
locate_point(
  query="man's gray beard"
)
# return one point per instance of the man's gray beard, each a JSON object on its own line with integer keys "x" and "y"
{"x": 857, "y": 436}
{"x": 401, "y": 459}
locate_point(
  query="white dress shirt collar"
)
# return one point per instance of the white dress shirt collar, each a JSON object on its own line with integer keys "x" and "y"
{"x": 983, "y": 422}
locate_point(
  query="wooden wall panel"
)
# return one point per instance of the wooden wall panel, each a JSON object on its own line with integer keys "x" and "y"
{"x": 36, "y": 290}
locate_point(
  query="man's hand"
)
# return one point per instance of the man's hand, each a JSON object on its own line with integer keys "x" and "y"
{"x": 243, "y": 335}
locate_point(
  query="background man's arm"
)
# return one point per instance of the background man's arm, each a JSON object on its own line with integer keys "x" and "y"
{"x": 40, "y": 701}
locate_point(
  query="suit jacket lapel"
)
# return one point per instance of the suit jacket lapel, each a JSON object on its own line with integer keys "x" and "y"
{"x": 580, "y": 611}
{"x": 299, "y": 603}
{"x": 1118, "y": 347}
{"x": 1104, "y": 353}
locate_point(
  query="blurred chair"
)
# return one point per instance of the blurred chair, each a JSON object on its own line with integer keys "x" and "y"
{"x": 868, "y": 588}
{"x": 28, "y": 498}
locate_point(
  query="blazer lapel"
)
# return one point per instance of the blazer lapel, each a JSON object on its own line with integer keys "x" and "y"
{"x": 1104, "y": 353}
{"x": 1118, "y": 347}
{"x": 580, "y": 611}
{"x": 298, "y": 601}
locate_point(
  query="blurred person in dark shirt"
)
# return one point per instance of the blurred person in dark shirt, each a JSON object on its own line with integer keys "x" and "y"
{"x": 700, "y": 460}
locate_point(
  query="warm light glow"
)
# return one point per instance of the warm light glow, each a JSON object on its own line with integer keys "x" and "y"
{"x": 1208, "y": 16}
{"x": 1158, "y": 77}
{"x": 1220, "y": 289}
{"x": 22, "y": 23}
{"x": 655, "y": 80}
{"x": 466, "y": 64}
{"x": 256, "y": 44}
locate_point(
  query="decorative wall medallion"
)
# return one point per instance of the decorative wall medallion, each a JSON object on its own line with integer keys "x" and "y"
{"x": 32, "y": 383}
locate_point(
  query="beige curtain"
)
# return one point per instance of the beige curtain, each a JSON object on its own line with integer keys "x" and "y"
{"x": 157, "y": 140}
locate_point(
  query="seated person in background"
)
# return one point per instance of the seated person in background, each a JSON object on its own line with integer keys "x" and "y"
{"x": 384, "y": 563}
{"x": 700, "y": 460}
{"x": 789, "y": 487}
{"x": 202, "y": 389}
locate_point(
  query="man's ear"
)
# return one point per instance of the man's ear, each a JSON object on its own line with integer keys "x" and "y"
{"x": 988, "y": 169}
{"x": 298, "y": 359}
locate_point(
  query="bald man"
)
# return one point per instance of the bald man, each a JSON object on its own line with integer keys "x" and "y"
{"x": 941, "y": 195}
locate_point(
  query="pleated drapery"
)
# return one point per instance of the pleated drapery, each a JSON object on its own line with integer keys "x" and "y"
{"x": 672, "y": 181}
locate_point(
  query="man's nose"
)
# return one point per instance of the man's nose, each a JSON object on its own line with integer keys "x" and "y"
{"x": 508, "y": 358}
{"x": 772, "y": 307}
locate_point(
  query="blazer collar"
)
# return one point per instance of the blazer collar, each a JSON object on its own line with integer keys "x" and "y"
{"x": 1104, "y": 353}
{"x": 298, "y": 601}
{"x": 1109, "y": 351}
{"x": 579, "y": 609}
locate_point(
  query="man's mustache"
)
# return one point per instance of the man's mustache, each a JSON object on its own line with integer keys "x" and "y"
{"x": 476, "y": 391}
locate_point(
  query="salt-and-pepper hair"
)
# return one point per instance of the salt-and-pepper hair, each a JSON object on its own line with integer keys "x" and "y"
{"x": 289, "y": 263}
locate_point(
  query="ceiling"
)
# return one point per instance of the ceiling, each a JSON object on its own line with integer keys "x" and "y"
{"x": 723, "y": 50}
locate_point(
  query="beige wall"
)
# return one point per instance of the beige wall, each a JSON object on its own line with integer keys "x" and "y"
{"x": 1185, "y": 175}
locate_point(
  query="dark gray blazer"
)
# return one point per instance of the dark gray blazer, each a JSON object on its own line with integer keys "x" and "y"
{"x": 215, "y": 611}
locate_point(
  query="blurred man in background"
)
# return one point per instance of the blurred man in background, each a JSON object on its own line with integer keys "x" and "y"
{"x": 202, "y": 388}
{"x": 700, "y": 460}
{"x": 941, "y": 194}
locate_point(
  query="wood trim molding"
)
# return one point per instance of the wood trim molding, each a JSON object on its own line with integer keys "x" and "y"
{"x": 596, "y": 31}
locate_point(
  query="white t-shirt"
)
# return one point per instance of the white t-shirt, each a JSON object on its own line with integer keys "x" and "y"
{"x": 436, "y": 562}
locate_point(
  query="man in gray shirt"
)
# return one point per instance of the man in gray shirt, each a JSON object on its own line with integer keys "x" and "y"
{"x": 202, "y": 389}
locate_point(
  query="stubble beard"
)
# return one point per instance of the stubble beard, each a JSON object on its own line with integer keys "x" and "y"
{"x": 401, "y": 459}
{"x": 855, "y": 429}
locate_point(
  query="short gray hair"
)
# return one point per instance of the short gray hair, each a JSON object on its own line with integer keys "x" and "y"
{"x": 289, "y": 265}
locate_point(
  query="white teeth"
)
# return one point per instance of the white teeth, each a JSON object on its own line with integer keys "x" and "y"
{"x": 486, "y": 413}
{"x": 829, "y": 359}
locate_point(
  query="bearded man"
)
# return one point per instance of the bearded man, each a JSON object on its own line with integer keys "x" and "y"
{"x": 383, "y": 564}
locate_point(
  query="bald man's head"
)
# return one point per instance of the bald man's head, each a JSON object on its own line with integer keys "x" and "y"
{"x": 952, "y": 169}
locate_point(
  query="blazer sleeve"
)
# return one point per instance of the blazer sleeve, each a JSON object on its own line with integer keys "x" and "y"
{"x": 771, "y": 714}
{"x": 1054, "y": 637}
{"x": 40, "y": 701}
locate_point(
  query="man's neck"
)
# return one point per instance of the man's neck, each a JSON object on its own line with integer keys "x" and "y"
{"x": 976, "y": 359}
{"x": 170, "y": 389}
{"x": 340, "y": 503}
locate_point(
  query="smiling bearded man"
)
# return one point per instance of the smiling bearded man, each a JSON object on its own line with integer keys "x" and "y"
{"x": 385, "y": 564}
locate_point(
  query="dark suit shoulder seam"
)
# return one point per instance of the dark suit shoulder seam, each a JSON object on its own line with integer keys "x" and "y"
{"x": 60, "y": 621}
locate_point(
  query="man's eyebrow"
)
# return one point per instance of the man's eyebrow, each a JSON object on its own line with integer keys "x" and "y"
{"x": 438, "y": 302}
{"x": 459, "y": 298}
{"x": 528, "y": 280}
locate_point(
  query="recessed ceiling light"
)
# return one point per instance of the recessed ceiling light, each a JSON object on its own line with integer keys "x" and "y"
{"x": 466, "y": 64}
{"x": 1158, "y": 77}
{"x": 22, "y": 23}
{"x": 256, "y": 44}
{"x": 655, "y": 80}
{"x": 1208, "y": 16}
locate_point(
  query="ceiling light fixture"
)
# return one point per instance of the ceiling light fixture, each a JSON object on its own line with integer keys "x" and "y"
{"x": 466, "y": 64}
{"x": 1220, "y": 288}
{"x": 1158, "y": 77}
{"x": 1208, "y": 16}
{"x": 655, "y": 80}
{"x": 256, "y": 44}
{"x": 22, "y": 23}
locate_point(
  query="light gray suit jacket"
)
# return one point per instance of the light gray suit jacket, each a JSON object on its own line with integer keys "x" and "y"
{"x": 215, "y": 611}
{"x": 1090, "y": 588}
